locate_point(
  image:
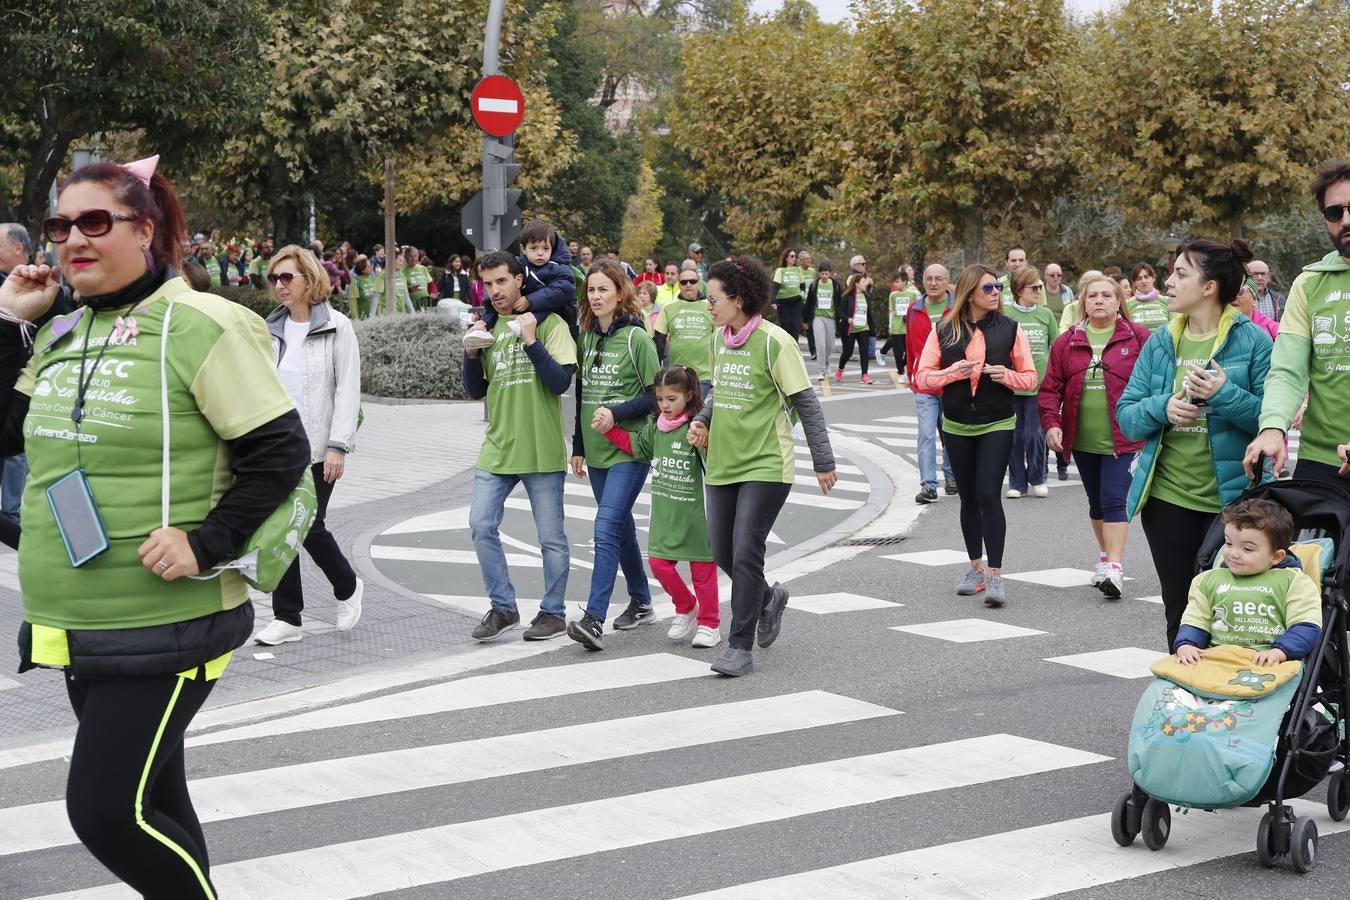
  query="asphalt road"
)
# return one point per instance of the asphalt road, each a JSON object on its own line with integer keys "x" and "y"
{"x": 857, "y": 760}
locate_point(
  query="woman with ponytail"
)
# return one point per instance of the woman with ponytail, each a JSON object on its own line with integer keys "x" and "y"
{"x": 107, "y": 568}
{"x": 1193, "y": 398}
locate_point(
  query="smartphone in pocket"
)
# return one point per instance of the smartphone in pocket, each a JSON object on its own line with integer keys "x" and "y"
{"x": 77, "y": 518}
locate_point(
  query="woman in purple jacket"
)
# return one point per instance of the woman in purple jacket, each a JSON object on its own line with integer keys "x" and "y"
{"x": 1089, "y": 366}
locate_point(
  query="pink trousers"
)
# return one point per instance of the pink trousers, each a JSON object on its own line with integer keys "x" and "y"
{"x": 705, "y": 587}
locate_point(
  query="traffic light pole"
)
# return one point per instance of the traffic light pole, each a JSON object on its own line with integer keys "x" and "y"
{"x": 495, "y": 150}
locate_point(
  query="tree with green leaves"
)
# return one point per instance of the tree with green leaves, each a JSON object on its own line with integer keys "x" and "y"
{"x": 179, "y": 69}
{"x": 760, "y": 112}
{"x": 1226, "y": 126}
{"x": 642, "y": 224}
{"x": 956, "y": 113}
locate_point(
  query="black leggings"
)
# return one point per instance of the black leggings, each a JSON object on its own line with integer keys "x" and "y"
{"x": 739, "y": 519}
{"x": 858, "y": 338}
{"x": 979, "y": 464}
{"x": 127, "y": 795}
{"x": 1174, "y": 535}
{"x": 288, "y": 600}
{"x": 790, "y": 316}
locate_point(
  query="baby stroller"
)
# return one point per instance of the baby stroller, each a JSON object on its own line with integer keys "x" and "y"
{"x": 1288, "y": 759}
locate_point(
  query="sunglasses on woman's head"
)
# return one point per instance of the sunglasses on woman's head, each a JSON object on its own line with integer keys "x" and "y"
{"x": 92, "y": 223}
{"x": 284, "y": 277}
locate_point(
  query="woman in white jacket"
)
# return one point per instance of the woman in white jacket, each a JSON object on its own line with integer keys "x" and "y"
{"x": 320, "y": 365}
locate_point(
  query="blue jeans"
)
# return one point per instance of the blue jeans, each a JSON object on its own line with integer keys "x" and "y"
{"x": 616, "y": 489}
{"x": 1106, "y": 479}
{"x": 929, "y": 408}
{"x": 1027, "y": 466}
{"x": 545, "y": 490}
{"x": 11, "y": 485}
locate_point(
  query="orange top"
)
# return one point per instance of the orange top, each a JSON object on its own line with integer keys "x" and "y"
{"x": 1021, "y": 374}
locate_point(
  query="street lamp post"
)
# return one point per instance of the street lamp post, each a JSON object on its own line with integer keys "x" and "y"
{"x": 1172, "y": 244}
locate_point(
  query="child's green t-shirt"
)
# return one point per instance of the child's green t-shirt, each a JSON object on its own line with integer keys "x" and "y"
{"x": 1251, "y": 610}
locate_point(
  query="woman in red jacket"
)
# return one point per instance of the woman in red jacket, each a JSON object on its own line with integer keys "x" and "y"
{"x": 1089, "y": 366}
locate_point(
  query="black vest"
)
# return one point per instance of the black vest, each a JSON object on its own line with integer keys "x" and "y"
{"x": 991, "y": 402}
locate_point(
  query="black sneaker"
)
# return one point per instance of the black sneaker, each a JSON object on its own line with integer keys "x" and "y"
{"x": 494, "y": 623}
{"x": 771, "y": 619}
{"x": 949, "y": 488}
{"x": 545, "y": 628}
{"x": 926, "y": 495}
{"x": 587, "y": 632}
{"x": 633, "y": 616}
{"x": 1062, "y": 472}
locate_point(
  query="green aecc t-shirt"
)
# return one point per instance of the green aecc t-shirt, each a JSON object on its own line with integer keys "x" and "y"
{"x": 525, "y": 427}
{"x": 790, "y": 282}
{"x": 688, "y": 327}
{"x": 1152, "y": 314}
{"x": 1041, "y": 329}
{"x": 679, "y": 526}
{"x": 1093, "y": 434}
{"x": 623, "y": 369}
{"x": 1251, "y": 610}
{"x": 1184, "y": 474}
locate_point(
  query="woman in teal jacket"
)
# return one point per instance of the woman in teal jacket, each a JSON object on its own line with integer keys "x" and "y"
{"x": 1194, "y": 399}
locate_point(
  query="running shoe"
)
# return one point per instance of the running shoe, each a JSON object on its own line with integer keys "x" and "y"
{"x": 494, "y": 623}
{"x": 349, "y": 610}
{"x": 974, "y": 582}
{"x": 1113, "y": 581}
{"x": 635, "y": 615}
{"x": 683, "y": 625}
{"x": 706, "y": 637}
{"x": 994, "y": 597}
{"x": 587, "y": 631}
{"x": 733, "y": 662}
{"x": 545, "y": 628}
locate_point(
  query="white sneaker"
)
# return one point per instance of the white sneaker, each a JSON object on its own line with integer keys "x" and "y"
{"x": 349, "y": 610}
{"x": 1040, "y": 490}
{"x": 1014, "y": 494}
{"x": 279, "y": 632}
{"x": 683, "y": 626}
{"x": 706, "y": 637}
{"x": 478, "y": 339}
{"x": 1100, "y": 574}
{"x": 1113, "y": 584}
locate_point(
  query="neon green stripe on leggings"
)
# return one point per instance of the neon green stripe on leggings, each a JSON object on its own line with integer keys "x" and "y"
{"x": 140, "y": 794}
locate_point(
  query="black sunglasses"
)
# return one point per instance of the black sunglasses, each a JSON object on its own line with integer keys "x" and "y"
{"x": 687, "y": 281}
{"x": 1335, "y": 212}
{"x": 994, "y": 288}
{"x": 284, "y": 277}
{"x": 93, "y": 223}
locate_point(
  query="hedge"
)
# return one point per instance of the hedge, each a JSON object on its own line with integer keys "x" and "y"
{"x": 418, "y": 356}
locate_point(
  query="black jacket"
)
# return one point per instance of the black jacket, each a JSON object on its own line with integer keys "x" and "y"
{"x": 992, "y": 402}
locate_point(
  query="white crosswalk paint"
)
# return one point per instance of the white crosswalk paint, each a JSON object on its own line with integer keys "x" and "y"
{"x": 856, "y": 487}
{"x": 479, "y": 691}
{"x": 1027, "y": 864}
{"x": 825, "y": 604}
{"x": 435, "y": 555}
{"x": 839, "y": 468}
{"x": 1121, "y": 662}
{"x": 455, "y": 519}
{"x": 40, "y": 826}
{"x": 822, "y": 501}
{"x": 877, "y": 429}
{"x": 462, "y": 850}
{"x": 904, "y": 420}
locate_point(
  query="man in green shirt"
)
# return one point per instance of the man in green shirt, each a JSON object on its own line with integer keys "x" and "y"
{"x": 1015, "y": 259}
{"x": 257, "y": 269}
{"x": 523, "y": 372}
{"x": 1312, "y": 353}
{"x": 1057, "y": 294}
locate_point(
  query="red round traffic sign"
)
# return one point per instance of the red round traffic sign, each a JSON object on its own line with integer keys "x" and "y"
{"x": 498, "y": 106}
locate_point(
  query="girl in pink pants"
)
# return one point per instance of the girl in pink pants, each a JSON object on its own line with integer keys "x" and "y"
{"x": 679, "y": 528}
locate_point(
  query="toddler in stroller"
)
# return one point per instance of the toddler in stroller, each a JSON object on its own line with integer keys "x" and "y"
{"x": 1250, "y": 709}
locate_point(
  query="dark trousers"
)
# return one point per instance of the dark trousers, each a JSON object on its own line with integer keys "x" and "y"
{"x": 289, "y": 598}
{"x": 128, "y": 764}
{"x": 1174, "y": 537}
{"x": 808, "y": 319}
{"x": 1106, "y": 480}
{"x": 790, "y": 316}
{"x": 979, "y": 464}
{"x": 1027, "y": 466}
{"x": 855, "y": 339}
{"x": 739, "y": 519}
{"x": 1319, "y": 471}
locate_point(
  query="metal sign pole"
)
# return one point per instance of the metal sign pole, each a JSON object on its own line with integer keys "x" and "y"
{"x": 494, "y": 190}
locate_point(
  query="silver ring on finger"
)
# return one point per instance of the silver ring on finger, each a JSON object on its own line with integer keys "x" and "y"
{"x": 162, "y": 566}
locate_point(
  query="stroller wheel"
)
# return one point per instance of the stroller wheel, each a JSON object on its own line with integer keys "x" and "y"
{"x": 1265, "y": 841}
{"x": 1338, "y": 796}
{"x": 1122, "y": 829}
{"x": 1156, "y": 824}
{"x": 1303, "y": 845}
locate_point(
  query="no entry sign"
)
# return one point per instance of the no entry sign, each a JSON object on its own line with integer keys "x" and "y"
{"x": 498, "y": 106}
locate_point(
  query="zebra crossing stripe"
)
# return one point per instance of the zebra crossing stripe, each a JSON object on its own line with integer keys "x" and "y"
{"x": 479, "y": 691}
{"x": 462, "y": 850}
{"x": 40, "y": 826}
{"x": 1026, "y": 864}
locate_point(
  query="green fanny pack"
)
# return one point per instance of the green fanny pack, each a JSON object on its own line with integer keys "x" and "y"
{"x": 273, "y": 547}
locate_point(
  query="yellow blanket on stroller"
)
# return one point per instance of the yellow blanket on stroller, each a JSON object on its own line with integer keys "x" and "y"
{"x": 1226, "y": 671}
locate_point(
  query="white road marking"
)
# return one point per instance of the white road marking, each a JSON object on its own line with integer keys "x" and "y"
{"x": 821, "y": 501}
{"x": 1122, "y": 662}
{"x": 40, "y": 826}
{"x": 931, "y": 557}
{"x": 823, "y": 604}
{"x": 1058, "y": 578}
{"x": 1027, "y": 864}
{"x": 458, "y": 557}
{"x": 967, "y": 631}
{"x": 478, "y": 691}
{"x": 463, "y": 850}
{"x": 456, "y": 519}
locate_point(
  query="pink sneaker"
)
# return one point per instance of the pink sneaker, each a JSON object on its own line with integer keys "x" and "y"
{"x": 867, "y": 379}
{"x": 838, "y": 374}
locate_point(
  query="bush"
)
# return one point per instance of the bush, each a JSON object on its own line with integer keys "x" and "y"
{"x": 260, "y": 302}
{"x": 412, "y": 356}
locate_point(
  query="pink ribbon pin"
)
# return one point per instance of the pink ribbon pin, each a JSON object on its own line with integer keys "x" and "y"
{"x": 124, "y": 329}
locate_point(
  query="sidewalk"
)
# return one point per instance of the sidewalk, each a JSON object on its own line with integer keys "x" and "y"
{"x": 409, "y": 459}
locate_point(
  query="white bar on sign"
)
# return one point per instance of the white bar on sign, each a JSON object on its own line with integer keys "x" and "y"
{"x": 497, "y": 105}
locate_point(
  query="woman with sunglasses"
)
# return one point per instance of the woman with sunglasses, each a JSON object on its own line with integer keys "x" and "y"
{"x": 109, "y": 590}
{"x": 1194, "y": 399}
{"x": 1026, "y": 471}
{"x": 616, "y": 368}
{"x": 1089, "y": 366}
{"x": 789, "y": 286}
{"x": 979, "y": 358}
{"x": 320, "y": 364}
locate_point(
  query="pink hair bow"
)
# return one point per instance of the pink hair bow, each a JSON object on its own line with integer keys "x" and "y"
{"x": 143, "y": 169}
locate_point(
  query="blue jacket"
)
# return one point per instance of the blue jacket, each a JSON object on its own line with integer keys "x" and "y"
{"x": 1244, "y": 354}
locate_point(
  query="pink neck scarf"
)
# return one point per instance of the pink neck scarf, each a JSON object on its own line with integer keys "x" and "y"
{"x": 1151, "y": 295}
{"x": 734, "y": 339}
{"x": 665, "y": 423}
